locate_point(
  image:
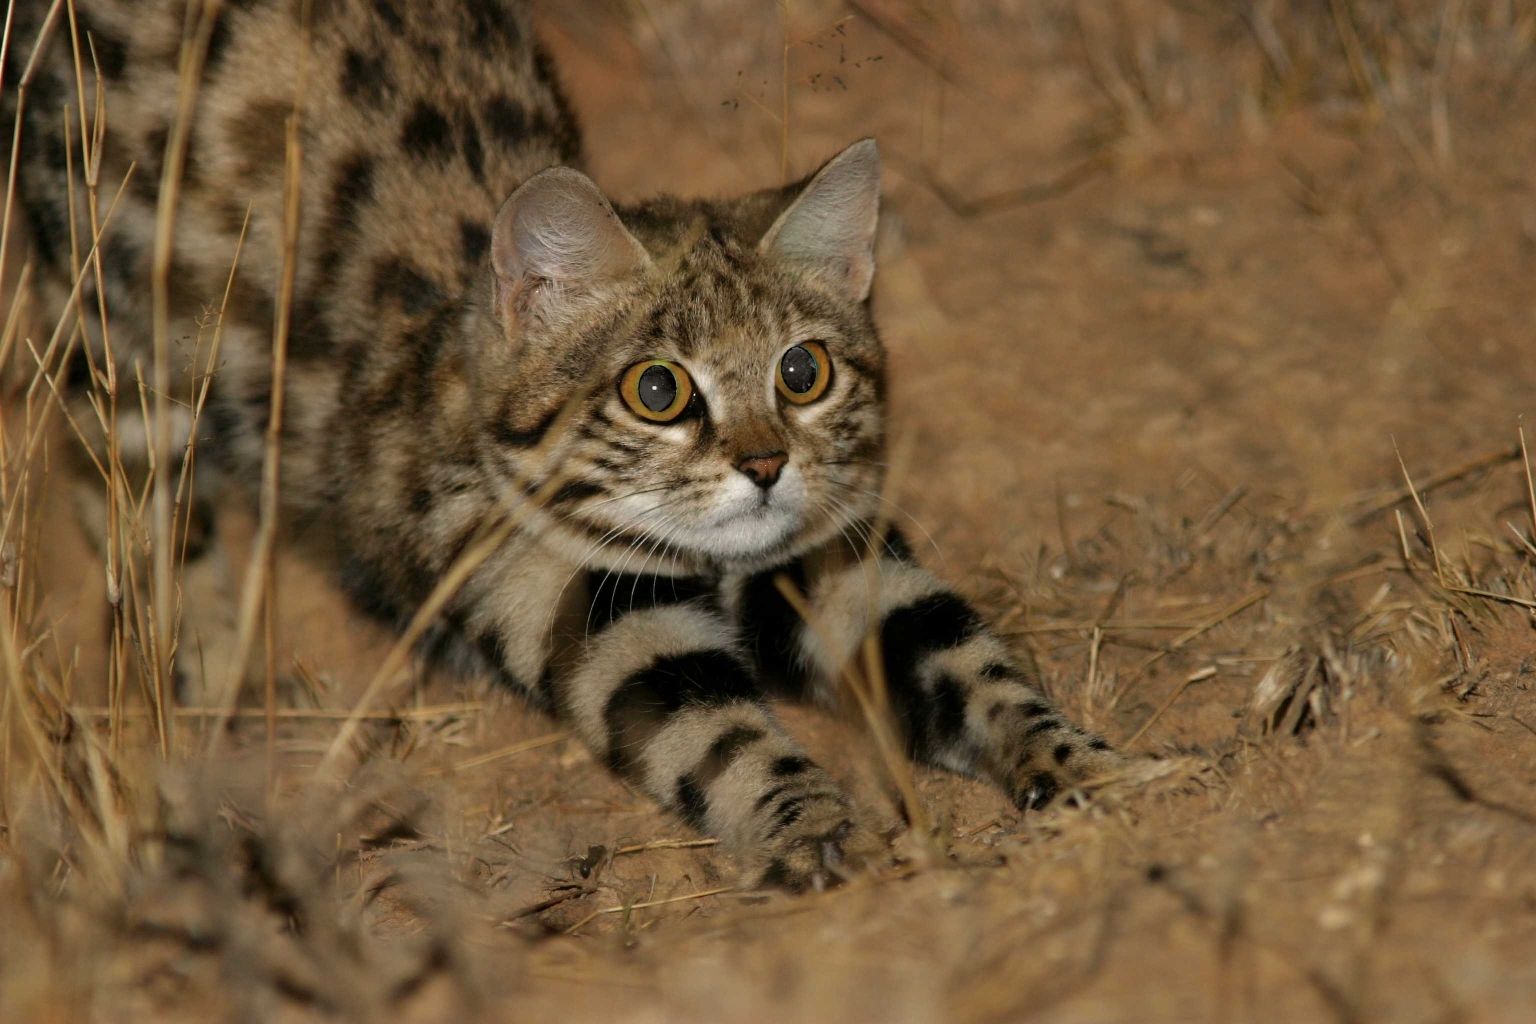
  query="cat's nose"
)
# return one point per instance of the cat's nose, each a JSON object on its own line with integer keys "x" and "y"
{"x": 763, "y": 469}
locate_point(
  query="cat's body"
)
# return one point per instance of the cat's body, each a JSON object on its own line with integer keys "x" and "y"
{"x": 451, "y": 366}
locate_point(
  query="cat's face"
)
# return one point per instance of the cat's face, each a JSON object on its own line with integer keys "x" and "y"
{"x": 742, "y": 417}
{"x": 723, "y": 399}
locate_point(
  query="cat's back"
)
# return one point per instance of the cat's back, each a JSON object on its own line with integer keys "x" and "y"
{"x": 413, "y": 121}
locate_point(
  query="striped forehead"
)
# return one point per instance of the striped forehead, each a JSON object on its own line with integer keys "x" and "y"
{"x": 717, "y": 313}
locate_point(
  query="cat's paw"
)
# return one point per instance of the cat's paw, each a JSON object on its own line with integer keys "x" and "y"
{"x": 821, "y": 847}
{"x": 1044, "y": 772}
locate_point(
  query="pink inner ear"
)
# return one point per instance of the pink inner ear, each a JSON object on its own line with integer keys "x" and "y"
{"x": 830, "y": 226}
{"x": 559, "y": 227}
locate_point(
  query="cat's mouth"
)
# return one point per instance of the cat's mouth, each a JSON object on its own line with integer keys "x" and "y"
{"x": 746, "y": 521}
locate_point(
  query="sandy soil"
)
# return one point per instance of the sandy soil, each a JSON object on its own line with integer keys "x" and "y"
{"x": 1167, "y": 291}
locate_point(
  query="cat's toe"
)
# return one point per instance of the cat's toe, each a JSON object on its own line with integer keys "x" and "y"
{"x": 1040, "y": 778}
{"x": 821, "y": 850}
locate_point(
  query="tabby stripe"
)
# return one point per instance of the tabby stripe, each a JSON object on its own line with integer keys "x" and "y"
{"x": 789, "y": 811}
{"x": 770, "y": 626}
{"x": 692, "y": 788}
{"x": 937, "y": 622}
{"x": 615, "y": 595}
{"x": 639, "y": 707}
{"x": 509, "y": 435}
{"x": 576, "y": 490}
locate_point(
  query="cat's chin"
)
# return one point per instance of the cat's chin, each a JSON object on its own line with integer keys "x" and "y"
{"x": 746, "y": 537}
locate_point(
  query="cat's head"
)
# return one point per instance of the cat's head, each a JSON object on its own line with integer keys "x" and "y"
{"x": 698, "y": 379}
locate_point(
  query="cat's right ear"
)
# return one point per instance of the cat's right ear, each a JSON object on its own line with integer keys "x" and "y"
{"x": 557, "y": 239}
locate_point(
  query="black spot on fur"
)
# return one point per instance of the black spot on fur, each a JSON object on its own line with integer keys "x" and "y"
{"x": 1062, "y": 753}
{"x": 474, "y": 240}
{"x": 55, "y": 152}
{"x": 640, "y": 706}
{"x": 770, "y": 626}
{"x": 309, "y": 337}
{"x": 398, "y": 279}
{"x": 998, "y": 670}
{"x": 365, "y": 78}
{"x": 202, "y": 528}
{"x": 50, "y": 228}
{"x": 111, "y": 52}
{"x": 218, "y": 45}
{"x": 44, "y": 93}
{"x": 897, "y": 547}
{"x": 508, "y": 122}
{"x": 351, "y": 189}
{"x": 792, "y": 764}
{"x": 369, "y": 590}
{"x": 1098, "y": 744}
{"x": 353, "y": 184}
{"x": 1033, "y": 709}
{"x": 471, "y": 146}
{"x": 1043, "y": 726}
{"x": 421, "y": 501}
{"x": 389, "y": 15}
{"x": 77, "y": 377}
{"x": 488, "y": 21}
{"x": 615, "y": 595}
{"x": 691, "y": 802}
{"x": 564, "y": 128}
{"x": 778, "y": 876}
{"x": 259, "y": 133}
{"x": 1038, "y": 791}
{"x": 426, "y": 134}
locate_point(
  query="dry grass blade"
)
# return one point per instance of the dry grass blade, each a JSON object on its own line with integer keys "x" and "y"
{"x": 194, "y": 52}
{"x": 665, "y": 844}
{"x": 511, "y": 750}
{"x": 1240, "y": 605}
{"x": 1530, "y": 487}
{"x": 1168, "y": 702}
{"x": 645, "y": 905}
{"x": 491, "y": 538}
{"x": 417, "y": 714}
{"x": 869, "y": 693}
{"x": 1435, "y": 481}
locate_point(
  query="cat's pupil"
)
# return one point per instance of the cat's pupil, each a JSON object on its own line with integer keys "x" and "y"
{"x": 658, "y": 388}
{"x": 798, "y": 368}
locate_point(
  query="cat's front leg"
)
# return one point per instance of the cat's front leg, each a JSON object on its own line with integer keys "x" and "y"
{"x": 960, "y": 698}
{"x": 665, "y": 696}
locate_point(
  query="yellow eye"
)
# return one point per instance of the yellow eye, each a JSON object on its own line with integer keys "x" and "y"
{"x": 804, "y": 372}
{"x": 656, "y": 390}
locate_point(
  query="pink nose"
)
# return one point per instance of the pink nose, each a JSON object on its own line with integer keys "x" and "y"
{"x": 763, "y": 469}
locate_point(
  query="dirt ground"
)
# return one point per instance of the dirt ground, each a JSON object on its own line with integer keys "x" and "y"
{"x": 1176, "y": 297}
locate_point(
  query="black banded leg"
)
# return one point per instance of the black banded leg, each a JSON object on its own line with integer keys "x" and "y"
{"x": 958, "y": 695}
{"x": 673, "y": 708}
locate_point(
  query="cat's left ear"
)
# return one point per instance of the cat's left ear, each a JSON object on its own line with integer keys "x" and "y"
{"x": 555, "y": 241}
{"x": 829, "y": 228}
